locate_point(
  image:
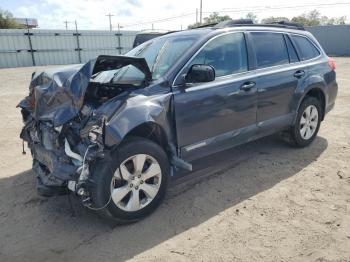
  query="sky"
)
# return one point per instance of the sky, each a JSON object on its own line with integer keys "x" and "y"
{"x": 141, "y": 14}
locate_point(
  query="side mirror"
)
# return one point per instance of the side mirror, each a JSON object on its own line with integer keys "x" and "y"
{"x": 200, "y": 74}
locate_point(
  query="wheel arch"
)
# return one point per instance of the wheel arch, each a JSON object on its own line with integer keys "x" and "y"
{"x": 318, "y": 93}
{"x": 152, "y": 131}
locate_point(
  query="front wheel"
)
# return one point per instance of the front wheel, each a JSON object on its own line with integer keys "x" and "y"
{"x": 307, "y": 123}
{"x": 132, "y": 181}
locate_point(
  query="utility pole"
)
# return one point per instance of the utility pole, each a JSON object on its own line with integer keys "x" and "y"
{"x": 200, "y": 12}
{"x": 196, "y": 15}
{"x": 119, "y": 40}
{"x": 152, "y": 27}
{"x": 30, "y": 43}
{"x": 110, "y": 21}
{"x": 66, "y": 22}
{"x": 78, "y": 44}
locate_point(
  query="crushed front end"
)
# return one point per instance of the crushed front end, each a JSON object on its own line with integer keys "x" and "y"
{"x": 62, "y": 155}
{"x": 64, "y": 119}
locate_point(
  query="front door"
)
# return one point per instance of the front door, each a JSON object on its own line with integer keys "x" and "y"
{"x": 214, "y": 116}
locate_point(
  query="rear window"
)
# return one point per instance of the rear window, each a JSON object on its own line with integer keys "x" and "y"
{"x": 306, "y": 49}
{"x": 270, "y": 49}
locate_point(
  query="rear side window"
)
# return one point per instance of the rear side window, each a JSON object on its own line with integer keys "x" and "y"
{"x": 306, "y": 49}
{"x": 293, "y": 57}
{"x": 270, "y": 49}
{"x": 227, "y": 54}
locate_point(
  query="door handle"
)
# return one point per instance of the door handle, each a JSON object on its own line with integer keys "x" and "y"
{"x": 299, "y": 73}
{"x": 247, "y": 86}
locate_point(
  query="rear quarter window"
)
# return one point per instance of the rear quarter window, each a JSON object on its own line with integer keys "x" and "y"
{"x": 270, "y": 49}
{"x": 293, "y": 57}
{"x": 305, "y": 48}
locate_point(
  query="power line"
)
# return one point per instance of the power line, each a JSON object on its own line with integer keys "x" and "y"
{"x": 232, "y": 10}
{"x": 159, "y": 20}
{"x": 260, "y": 8}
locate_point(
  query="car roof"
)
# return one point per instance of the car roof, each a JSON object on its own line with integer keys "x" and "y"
{"x": 256, "y": 27}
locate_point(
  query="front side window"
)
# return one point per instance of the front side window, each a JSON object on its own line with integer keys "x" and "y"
{"x": 306, "y": 49}
{"x": 270, "y": 49}
{"x": 227, "y": 54}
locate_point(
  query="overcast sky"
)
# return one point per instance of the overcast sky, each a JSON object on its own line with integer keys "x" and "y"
{"x": 90, "y": 14}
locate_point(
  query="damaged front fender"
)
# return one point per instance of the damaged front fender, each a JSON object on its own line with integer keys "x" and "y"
{"x": 136, "y": 111}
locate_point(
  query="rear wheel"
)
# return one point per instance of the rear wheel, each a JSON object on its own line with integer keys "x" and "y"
{"x": 133, "y": 181}
{"x": 307, "y": 123}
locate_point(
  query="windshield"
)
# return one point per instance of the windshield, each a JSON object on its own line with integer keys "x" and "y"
{"x": 160, "y": 54}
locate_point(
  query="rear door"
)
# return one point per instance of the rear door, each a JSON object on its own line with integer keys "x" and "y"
{"x": 277, "y": 79}
{"x": 213, "y": 116}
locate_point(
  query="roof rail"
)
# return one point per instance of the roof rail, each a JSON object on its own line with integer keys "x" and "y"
{"x": 204, "y": 25}
{"x": 236, "y": 22}
{"x": 287, "y": 23}
{"x": 248, "y": 22}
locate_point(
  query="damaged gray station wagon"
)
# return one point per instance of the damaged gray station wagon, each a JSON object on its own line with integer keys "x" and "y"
{"x": 117, "y": 129}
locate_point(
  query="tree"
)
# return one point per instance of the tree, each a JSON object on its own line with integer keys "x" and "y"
{"x": 211, "y": 19}
{"x": 215, "y": 18}
{"x": 333, "y": 20}
{"x": 314, "y": 18}
{"x": 7, "y": 21}
{"x": 252, "y": 17}
{"x": 272, "y": 19}
{"x": 308, "y": 19}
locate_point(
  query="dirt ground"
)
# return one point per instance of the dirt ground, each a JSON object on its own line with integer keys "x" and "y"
{"x": 264, "y": 201}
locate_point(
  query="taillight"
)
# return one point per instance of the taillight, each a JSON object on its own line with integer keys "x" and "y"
{"x": 331, "y": 63}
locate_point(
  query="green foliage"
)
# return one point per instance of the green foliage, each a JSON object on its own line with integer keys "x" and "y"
{"x": 308, "y": 19}
{"x": 211, "y": 19}
{"x": 7, "y": 21}
{"x": 215, "y": 18}
{"x": 272, "y": 19}
{"x": 314, "y": 17}
{"x": 311, "y": 18}
{"x": 252, "y": 17}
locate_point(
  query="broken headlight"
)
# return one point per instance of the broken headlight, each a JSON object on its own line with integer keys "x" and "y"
{"x": 96, "y": 134}
{"x": 94, "y": 130}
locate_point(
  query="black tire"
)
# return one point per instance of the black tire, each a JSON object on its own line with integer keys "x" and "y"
{"x": 294, "y": 137}
{"x": 102, "y": 174}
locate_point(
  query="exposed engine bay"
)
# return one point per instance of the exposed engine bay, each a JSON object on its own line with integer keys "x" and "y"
{"x": 66, "y": 116}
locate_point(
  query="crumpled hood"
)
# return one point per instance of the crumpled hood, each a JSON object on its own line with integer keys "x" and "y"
{"x": 57, "y": 94}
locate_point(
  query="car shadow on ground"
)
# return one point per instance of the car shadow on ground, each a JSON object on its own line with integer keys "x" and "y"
{"x": 56, "y": 230}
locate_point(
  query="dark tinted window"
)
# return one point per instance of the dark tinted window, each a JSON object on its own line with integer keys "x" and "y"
{"x": 293, "y": 57}
{"x": 227, "y": 54}
{"x": 306, "y": 49}
{"x": 270, "y": 49}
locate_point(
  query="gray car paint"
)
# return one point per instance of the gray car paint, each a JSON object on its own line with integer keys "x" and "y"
{"x": 200, "y": 119}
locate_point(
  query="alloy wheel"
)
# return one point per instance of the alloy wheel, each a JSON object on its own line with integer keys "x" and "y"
{"x": 308, "y": 122}
{"x": 136, "y": 182}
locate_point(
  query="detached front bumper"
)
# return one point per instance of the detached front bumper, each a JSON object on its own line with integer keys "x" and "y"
{"x": 59, "y": 155}
{"x": 53, "y": 164}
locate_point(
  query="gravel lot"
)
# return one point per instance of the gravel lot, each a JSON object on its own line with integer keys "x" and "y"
{"x": 264, "y": 201}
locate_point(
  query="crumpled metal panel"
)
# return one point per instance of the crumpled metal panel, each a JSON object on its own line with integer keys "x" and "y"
{"x": 137, "y": 110}
{"x": 57, "y": 94}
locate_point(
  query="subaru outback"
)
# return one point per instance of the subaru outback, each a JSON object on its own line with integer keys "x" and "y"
{"x": 117, "y": 129}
